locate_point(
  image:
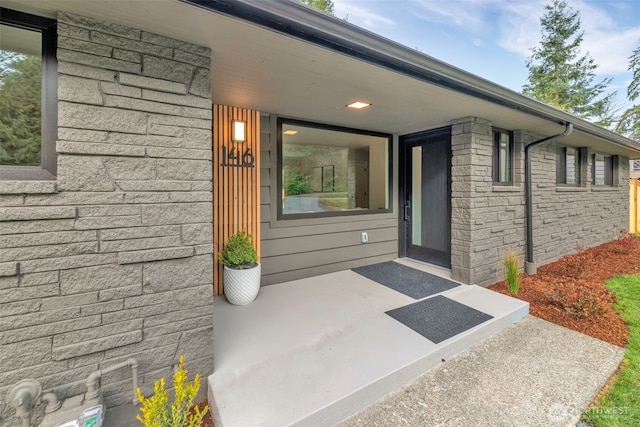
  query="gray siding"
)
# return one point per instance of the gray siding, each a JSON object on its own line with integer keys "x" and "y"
{"x": 488, "y": 220}
{"x": 113, "y": 260}
{"x": 567, "y": 218}
{"x": 294, "y": 249}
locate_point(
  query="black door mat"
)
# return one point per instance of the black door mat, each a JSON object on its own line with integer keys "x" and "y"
{"x": 415, "y": 283}
{"x": 438, "y": 318}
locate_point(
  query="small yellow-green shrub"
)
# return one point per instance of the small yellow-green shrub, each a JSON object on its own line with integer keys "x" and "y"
{"x": 156, "y": 410}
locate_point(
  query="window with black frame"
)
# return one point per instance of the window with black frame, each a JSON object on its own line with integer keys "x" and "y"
{"x": 331, "y": 171}
{"x": 602, "y": 167}
{"x": 28, "y": 99}
{"x": 568, "y": 166}
{"x": 502, "y": 157}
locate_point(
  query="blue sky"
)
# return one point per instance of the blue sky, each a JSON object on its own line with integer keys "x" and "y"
{"x": 492, "y": 38}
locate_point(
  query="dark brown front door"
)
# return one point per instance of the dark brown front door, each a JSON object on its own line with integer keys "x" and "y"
{"x": 427, "y": 196}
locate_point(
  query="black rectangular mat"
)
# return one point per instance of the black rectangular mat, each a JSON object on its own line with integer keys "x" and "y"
{"x": 438, "y": 318}
{"x": 415, "y": 283}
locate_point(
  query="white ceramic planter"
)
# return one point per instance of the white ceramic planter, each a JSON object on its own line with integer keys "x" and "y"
{"x": 241, "y": 286}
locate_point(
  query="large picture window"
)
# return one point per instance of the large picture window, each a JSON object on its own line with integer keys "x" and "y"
{"x": 329, "y": 171}
{"x": 28, "y": 99}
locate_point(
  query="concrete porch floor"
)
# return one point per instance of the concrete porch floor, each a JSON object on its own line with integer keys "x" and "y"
{"x": 318, "y": 350}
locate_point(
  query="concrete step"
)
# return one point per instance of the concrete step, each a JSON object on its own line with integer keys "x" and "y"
{"x": 328, "y": 374}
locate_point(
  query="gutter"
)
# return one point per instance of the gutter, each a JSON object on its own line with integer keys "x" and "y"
{"x": 529, "y": 266}
{"x": 299, "y": 21}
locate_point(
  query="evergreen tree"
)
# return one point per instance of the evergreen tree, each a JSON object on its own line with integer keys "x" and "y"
{"x": 629, "y": 123}
{"x": 20, "y": 106}
{"x": 323, "y": 5}
{"x": 560, "y": 77}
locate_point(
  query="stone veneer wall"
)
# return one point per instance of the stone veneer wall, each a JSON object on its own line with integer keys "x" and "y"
{"x": 567, "y": 218}
{"x": 487, "y": 220}
{"x": 113, "y": 260}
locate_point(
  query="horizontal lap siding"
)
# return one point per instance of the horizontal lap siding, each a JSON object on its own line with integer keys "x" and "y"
{"x": 297, "y": 249}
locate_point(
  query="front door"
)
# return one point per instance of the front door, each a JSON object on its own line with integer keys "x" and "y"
{"x": 427, "y": 196}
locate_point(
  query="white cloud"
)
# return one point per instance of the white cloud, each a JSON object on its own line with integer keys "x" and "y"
{"x": 360, "y": 15}
{"x": 514, "y": 25}
{"x": 519, "y": 26}
{"x": 464, "y": 13}
{"x": 609, "y": 45}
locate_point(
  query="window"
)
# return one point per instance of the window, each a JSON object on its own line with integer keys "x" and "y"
{"x": 602, "y": 170}
{"x": 568, "y": 166}
{"x": 28, "y": 99}
{"x": 502, "y": 156}
{"x": 330, "y": 171}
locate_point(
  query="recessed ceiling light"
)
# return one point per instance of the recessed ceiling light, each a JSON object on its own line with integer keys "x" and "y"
{"x": 358, "y": 104}
{"x": 290, "y": 132}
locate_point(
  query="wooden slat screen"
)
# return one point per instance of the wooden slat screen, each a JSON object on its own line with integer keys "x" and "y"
{"x": 236, "y": 186}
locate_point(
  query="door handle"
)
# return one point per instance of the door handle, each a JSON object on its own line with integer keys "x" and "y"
{"x": 407, "y": 214}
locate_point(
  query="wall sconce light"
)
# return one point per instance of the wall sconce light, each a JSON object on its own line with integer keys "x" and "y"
{"x": 238, "y": 131}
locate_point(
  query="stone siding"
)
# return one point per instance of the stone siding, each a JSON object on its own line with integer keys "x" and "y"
{"x": 487, "y": 220}
{"x": 113, "y": 259}
{"x": 568, "y": 218}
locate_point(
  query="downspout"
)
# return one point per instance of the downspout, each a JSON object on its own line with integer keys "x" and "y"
{"x": 529, "y": 266}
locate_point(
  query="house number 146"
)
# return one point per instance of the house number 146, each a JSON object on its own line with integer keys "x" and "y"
{"x": 234, "y": 159}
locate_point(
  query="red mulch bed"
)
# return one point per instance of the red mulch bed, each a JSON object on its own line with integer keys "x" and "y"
{"x": 571, "y": 292}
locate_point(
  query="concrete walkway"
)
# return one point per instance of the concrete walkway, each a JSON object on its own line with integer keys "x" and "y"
{"x": 534, "y": 373}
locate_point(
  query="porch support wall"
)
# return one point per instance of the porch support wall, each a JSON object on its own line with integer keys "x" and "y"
{"x": 113, "y": 259}
{"x": 487, "y": 220}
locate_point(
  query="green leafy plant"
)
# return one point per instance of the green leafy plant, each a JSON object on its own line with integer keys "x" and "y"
{"x": 296, "y": 185}
{"x": 156, "y": 410}
{"x": 239, "y": 252}
{"x": 511, "y": 272}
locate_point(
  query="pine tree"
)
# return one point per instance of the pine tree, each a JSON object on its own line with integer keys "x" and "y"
{"x": 560, "y": 77}
{"x": 629, "y": 123}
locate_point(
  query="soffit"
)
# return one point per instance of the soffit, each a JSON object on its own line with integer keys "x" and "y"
{"x": 260, "y": 69}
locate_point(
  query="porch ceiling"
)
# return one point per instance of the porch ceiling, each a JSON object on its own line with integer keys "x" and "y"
{"x": 257, "y": 68}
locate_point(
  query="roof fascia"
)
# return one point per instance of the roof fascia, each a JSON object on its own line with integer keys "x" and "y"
{"x": 305, "y": 23}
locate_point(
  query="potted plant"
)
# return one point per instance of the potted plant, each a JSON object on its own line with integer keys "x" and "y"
{"x": 241, "y": 269}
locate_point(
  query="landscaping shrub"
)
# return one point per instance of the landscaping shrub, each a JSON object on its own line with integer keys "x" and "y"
{"x": 577, "y": 300}
{"x": 156, "y": 411}
{"x": 511, "y": 272}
